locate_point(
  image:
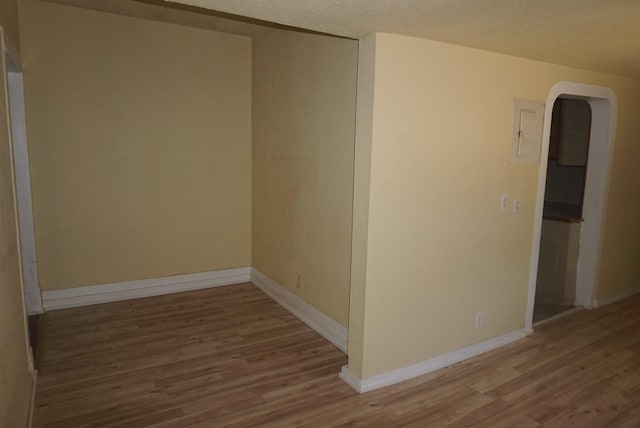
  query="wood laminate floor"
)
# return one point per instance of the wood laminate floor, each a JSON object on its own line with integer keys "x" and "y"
{"x": 231, "y": 357}
{"x": 543, "y": 311}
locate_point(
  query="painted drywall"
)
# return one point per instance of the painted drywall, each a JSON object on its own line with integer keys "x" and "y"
{"x": 15, "y": 377}
{"x": 9, "y": 23}
{"x": 361, "y": 180}
{"x": 304, "y": 91}
{"x": 140, "y": 145}
{"x": 439, "y": 249}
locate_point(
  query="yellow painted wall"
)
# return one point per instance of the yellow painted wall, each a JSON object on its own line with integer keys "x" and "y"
{"x": 619, "y": 267}
{"x": 361, "y": 181}
{"x": 438, "y": 247}
{"x": 9, "y": 23}
{"x": 140, "y": 146}
{"x": 303, "y": 141}
{"x": 15, "y": 379}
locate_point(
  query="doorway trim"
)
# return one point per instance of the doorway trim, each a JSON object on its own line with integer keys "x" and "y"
{"x": 604, "y": 105}
{"x": 24, "y": 204}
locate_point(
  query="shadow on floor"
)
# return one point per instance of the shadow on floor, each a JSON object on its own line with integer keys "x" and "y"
{"x": 542, "y": 311}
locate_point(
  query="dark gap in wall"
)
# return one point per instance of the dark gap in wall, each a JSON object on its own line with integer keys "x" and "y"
{"x": 563, "y": 201}
{"x": 34, "y": 331}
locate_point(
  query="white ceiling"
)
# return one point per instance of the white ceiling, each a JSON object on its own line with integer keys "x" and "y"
{"x": 156, "y": 10}
{"x": 601, "y": 35}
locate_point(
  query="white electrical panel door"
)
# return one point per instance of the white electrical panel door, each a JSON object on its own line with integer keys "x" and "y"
{"x": 528, "y": 119}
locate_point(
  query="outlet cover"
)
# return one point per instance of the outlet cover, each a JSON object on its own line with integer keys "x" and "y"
{"x": 479, "y": 319}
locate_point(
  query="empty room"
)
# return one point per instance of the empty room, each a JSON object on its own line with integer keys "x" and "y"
{"x": 318, "y": 213}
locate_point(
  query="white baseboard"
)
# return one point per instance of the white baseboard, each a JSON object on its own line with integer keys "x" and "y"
{"x": 103, "y": 293}
{"x": 32, "y": 404}
{"x": 628, "y": 293}
{"x": 427, "y": 366}
{"x": 327, "y": 327}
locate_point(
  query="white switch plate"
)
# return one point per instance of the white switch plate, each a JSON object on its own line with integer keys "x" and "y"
{"x": 516, "y": 205}
{"x": 504, "y": 202}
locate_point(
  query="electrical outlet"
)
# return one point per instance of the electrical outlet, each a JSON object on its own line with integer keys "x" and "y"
{"x": 516, "y": 205}
{"x": 504, "y": 202}
{"x": 479, "y": 319}
{"x": 298, "y": 282}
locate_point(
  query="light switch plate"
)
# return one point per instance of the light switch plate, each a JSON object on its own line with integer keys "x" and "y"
{"x": 504, "y": 202}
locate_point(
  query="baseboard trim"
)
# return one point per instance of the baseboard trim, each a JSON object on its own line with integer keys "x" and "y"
{"x": 324, "y": 325}
{"x": 427, "y": 366}
{"x": 104, "y": 293}
{"x": 628, "y": 293}
{"x": 32, "y": 404}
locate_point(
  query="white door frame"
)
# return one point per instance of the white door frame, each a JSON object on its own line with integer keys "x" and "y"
{"x": 604, "y": 109}
{"x": 15, "y": 86}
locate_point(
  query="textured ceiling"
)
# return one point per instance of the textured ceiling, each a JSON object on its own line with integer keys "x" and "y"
{"x": 157, "y": 10}
{"x": 601, "y": 35}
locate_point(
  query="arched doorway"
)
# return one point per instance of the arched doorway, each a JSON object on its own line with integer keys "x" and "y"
{"x": 603, "y": 105}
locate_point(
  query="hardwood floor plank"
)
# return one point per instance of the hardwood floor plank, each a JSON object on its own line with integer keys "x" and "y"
{"x": 231, "y": 357}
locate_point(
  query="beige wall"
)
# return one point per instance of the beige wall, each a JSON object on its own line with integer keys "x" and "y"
{"x": 303, "y": 142}
{"x": 361, "y": 181}
{"x": 619, "y": 269}
{"x": 9, "y": 22}
{"x": 439, "y": 249}
{"x": 15, "y": 379}
{"x": 140, "y": 146}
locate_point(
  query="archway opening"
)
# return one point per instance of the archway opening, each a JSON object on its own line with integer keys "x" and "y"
{"x": 603, "y": 105}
